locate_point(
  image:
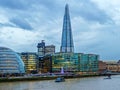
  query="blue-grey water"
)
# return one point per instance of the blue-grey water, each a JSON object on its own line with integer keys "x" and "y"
{"x": 94, "y": 83}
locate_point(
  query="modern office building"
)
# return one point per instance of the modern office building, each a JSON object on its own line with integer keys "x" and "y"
{"x": 67, "y": 39}
{"x": 89, "y": 63}
{"x": 30, "y": 60}
{"x": 75, "y": 62}
{"x": 10, "y": 62}
{"x": 44, "y": 57}
{"x": 45, "y": 64}
{"x": 45, "y": 50}
{"x": 67, "y": 61}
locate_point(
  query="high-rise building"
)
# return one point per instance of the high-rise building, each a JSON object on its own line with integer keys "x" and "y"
{"x": 45, "y": 50}
{"x": 44, "y": 57}
{"x": 67, "y": 39}
{"x": 41, "y": 48}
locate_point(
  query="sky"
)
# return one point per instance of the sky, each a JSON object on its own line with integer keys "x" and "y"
{"x": 95, "y": 25}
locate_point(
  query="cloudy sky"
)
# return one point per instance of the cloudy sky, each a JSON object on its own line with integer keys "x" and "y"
{"x": 95, "y": 25}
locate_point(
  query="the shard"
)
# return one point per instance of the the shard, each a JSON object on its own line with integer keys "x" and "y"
{"x": 67, "y": 45}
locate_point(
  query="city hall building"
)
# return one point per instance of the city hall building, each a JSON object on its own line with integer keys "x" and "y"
{"x": 10, "y": 62}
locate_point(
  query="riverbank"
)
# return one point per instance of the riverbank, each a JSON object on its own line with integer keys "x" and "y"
{"x": 36, "y": 78}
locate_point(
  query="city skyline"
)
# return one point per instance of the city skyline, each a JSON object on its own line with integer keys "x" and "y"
{"x": 95, "y": 25}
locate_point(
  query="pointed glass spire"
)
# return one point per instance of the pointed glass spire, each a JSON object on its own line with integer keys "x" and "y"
{"x": 67, "y": 39}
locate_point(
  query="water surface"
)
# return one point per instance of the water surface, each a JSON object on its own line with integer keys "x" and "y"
{"x": 94, "y": 83}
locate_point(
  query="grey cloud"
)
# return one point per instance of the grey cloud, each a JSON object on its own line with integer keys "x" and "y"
{"x": 26, "y": 4}
{"x": 21, "y": 23}
{"x": 91, "y": 12}
{"x": 85, "y": 8}
{"x": 13, "y": 4}
{"x": 6, "y": 25}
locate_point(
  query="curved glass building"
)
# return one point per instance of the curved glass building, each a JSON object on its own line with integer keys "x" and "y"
{"x": 10, "y": 62}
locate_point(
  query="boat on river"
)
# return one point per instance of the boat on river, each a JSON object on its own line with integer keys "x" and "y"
{"x": 109, "y": 76}
{"x": 60, "y": 79}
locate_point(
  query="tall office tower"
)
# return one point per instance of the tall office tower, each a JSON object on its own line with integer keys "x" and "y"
{"x": 45, "y": 50}
{"x": 67, "y": 39}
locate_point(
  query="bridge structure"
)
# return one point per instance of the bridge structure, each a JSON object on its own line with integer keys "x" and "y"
{"x": 108, "y": 72}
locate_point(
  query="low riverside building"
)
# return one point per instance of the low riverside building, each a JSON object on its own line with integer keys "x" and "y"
{"x": 30, "y": 60}
{"x": 113, "y": 66}
{"x": 10, "y": 62}
{"x": 75, "y": 62}
{"x": 102, "y": 66}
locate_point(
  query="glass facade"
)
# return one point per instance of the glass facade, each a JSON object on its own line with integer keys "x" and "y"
{"x": 67, "y": 39}
{"x": 30, "y": 60}
{"x": 75, "y": 62}
{"x": 69, "y": 61}
{"x": 10, "y": 62}
{"x": 45, "y": 64}
{"x": 89, "y": 62}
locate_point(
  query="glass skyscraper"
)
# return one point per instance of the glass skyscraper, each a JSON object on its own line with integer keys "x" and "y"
{"x": 67, "y": 39}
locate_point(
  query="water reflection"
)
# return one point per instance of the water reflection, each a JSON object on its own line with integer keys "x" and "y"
{"x": 95, "y": 83}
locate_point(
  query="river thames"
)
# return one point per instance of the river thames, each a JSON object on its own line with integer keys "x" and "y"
{"x": 91, "y": 83}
